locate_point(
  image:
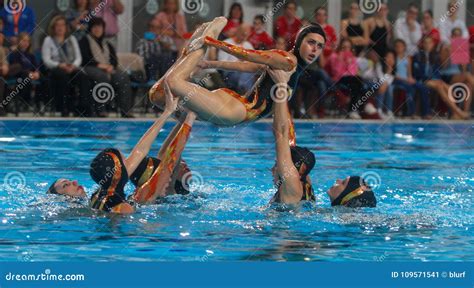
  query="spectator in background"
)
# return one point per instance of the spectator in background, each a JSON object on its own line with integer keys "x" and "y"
{"x": 321, "y": 17}
{"x": 172, "y": 24}
{"x": 234, "y": 20}
{"x": 238, "y": 81}
{"x": 471, "y": 44}
{"x": 19, "y": 20}
{"x": 23, "y": 58}
{"x": 259, "y": 38}
{"x": 109, "y": 11}
{"x": 428, "y": 29}
{"x": 101, "y": 66}
{"x": 451, "y": 21}
{"x": 409, "y": 29}
{"x": 354, "y": 29}
{"x": 157, "y": 59}
{"x": 403, "y": 77}
{"x": 380, "y": 31}
{"x": 76, "y": 18}
{"x": 280, "y": 44}
{"x": 4, "y": 69}
{"x": 62, "y": 56}
{"x": 288, "y": 25}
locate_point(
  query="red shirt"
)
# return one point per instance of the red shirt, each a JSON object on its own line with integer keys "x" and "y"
{"x": 434, "y": 34}
{"x": 287, "y": 30}
{"x": 471, "y": 34}
{"x": 331, "y": 39}
{"x": 231, "y": 24}
{"x": 261, "y": 41}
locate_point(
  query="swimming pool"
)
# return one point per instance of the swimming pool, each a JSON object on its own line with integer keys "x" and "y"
{"x": 424, "y": 173}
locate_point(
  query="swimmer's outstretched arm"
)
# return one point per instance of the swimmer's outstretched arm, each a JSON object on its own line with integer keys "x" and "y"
{"x": 157, "y": 184}
{"x": 241, "y": 66}
{"x": 141, "y": 149}
{"x": 291, "y": 189}
{"x": 276, "y": 59}
{"x": 171, "y": 136}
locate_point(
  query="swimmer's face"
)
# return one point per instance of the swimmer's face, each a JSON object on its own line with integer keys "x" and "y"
{"x": 184, "y": 173}
{"x": 69, "y": 188}
{"x": 311, "y": 47}
{"x": 337, "y": 188}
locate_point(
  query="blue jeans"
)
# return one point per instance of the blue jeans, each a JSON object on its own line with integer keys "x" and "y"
{"x": 410, "y": 92}
{"x": 424, "y": 92}
{"x": 385, "y": 99}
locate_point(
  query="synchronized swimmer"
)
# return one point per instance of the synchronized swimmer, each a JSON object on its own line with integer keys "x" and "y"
{"x": 158, "y": 177}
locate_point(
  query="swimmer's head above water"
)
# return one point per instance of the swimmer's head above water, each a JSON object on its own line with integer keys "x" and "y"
{"x": 352, "y": 192}
{"x": 67, "y": 187}
{"x": 304, "y": 161}
{"x": 309, "y": 44}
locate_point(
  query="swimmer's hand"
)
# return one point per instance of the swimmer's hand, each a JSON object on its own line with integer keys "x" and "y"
{"x": 204, "y": 64}
{"x": 171, "y": 101}
{"x": 280, "y": 76}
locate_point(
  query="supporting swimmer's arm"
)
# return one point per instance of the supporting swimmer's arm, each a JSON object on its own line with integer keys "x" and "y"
{"x": 157, "y": 184}
{"x": 241, "y": 66}
{"x": 141, "y": 149}
{"x": 276, "y": 59}
{"x": 171, "y": 136}
{"x": 291, "y": 189}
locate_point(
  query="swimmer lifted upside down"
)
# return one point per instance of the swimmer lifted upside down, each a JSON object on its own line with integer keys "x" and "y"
{"x": 153, "y": 177}
{"x": 225, "y": 107}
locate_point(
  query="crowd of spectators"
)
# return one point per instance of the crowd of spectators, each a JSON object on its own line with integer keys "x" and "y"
{"x": 371, "y": 68}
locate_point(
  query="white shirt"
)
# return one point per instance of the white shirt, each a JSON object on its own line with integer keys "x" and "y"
{"x": 50, "y": 53}
{"x": 223, "y": 56}
{"x": 411, "y": 38}
{"x": 446, "y": 27}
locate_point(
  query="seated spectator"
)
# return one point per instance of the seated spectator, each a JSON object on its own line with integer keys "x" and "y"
{"x": 28, "y": 69}
{"x": 239, "y": 81}
{"x": 403, "y": 77}
{"x": 76, "y": 18}
{"x": 157, "y": 60}
{"x": 288, "y": 25}
{"x": 109, "y": 10}
{"x": 234, "y": 20}
{"x": 280, "y": 44}
{"x": 321, "y": 17}
{"x": 452, "y": 21}
{"x": 428, "y": 29}
{"x": 62, "y": 56}
{"x": 409, "y": 30}
{"x": 20, "y": 20}
{"x": 101, "y": 66}
{"x": 172, "y": 24}
{"x": 4, "y": 68}
{"x": 259, "y": 38}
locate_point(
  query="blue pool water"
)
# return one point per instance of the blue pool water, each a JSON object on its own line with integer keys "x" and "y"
{"x": 425, "y": 174}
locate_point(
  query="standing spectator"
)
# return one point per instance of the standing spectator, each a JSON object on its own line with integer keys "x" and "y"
{"x": 321, "y": 17}
{"x": 259, "y": 38}
{"x": 403, "y": 77}
{"x": 101, "y": 65}
{"x": 409, "y": 29}
{"x": 354, "y": 29}
{"x": 23, "y": 58}
{"x": 288, "y": 25}
{"x": 447, "y": 24}
{"x": 172, "y": 24}
{"x": 62, "y": 56}
{"x": 76, "y": 18}
{"x": 239, "y": 81}
{"x": 428, "y": 29}
{"x": 22, "y": 19}
{"x": 109, "y": 11}
{"x": 380, "y": 31}
{"x": 234, "y": 20}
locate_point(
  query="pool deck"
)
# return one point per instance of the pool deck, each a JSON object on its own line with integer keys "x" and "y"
{"x": 322, "y": 121}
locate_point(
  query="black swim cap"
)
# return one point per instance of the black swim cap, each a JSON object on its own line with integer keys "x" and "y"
{"x": 300, "y": 155}
{"x": 109, "y": 171}
{"x": 355, "y": 195}
{"x": 52, "y": 189}
{"x": 305, "y": 30}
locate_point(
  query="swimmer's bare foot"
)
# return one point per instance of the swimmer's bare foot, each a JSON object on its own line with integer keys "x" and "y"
{"x": 212, "y": 30}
